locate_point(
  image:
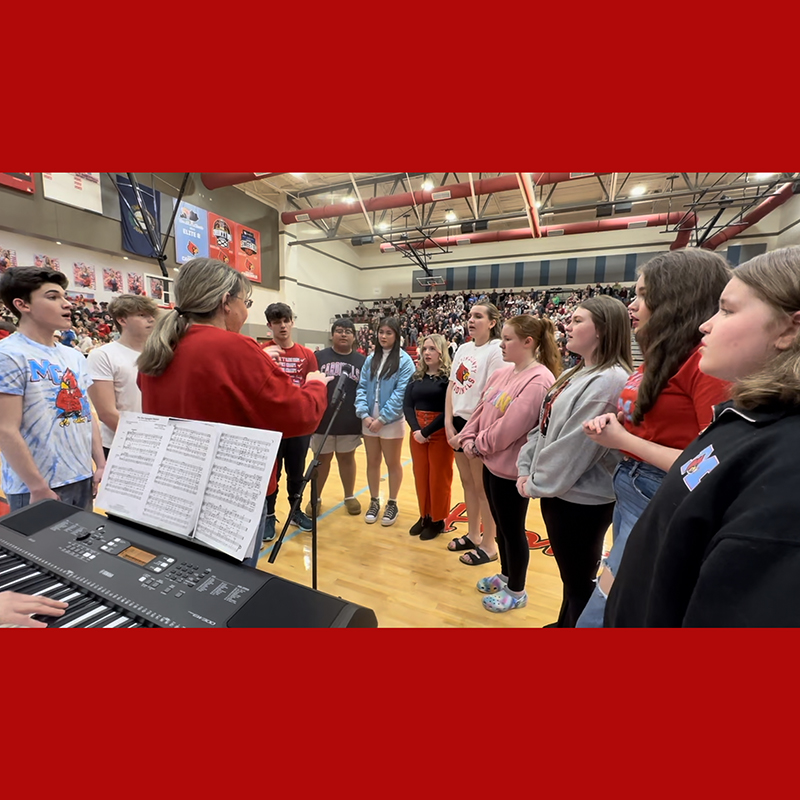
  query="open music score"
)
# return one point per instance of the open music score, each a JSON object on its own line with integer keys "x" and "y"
{"x": 200, "y": 480}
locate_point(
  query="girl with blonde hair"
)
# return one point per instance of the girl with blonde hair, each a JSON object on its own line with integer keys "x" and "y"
{"x": 432, "y": 456}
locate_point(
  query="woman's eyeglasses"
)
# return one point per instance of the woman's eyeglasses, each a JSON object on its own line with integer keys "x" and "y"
{"x": 248, "y": 303}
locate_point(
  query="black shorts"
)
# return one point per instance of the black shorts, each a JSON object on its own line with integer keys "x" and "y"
{"x": 459, "y": 423}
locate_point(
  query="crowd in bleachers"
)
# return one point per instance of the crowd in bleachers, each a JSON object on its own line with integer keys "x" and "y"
{"x": 92, "y": 325}
{"x": 446, "y": 313}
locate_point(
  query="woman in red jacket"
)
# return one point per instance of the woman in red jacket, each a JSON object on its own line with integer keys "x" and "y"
{"x": 196, "y": 365}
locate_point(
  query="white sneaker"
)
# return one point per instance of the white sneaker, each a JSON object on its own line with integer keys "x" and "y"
{"x": 389, "y": 514}
{"x": 372, "y": 512}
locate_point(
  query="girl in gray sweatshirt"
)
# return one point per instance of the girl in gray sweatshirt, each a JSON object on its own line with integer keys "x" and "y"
{"x": 573, "y": 478}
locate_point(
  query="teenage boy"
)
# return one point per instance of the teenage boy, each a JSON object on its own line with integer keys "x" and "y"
{"x": 296, "y": 361}
{"x": 48, "y": 435}
{"x": 113, "y": 366}
{"x": 345, "y": 435}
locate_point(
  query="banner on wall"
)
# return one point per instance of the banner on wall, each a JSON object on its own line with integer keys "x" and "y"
{"x": 85, "y": 275}
{"x": 41, "y": 260}
{"x": 8, "y": 258}
{"x": 112, "y": 280}
{"x": 235, "y": 244}
{"x": 221, "y": 238}
{"x": 191, "y": 233}
{"x": 134, "y": 231}
{"x": 79, "y": 189}
{"x": 156, "y": 289}
{"x": 21, "y": 181}
{"x": 135, "y": 283}
{"x": 248, "y": 255}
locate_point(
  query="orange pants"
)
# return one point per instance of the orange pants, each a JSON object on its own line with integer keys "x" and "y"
{"x": 433, "y": 470}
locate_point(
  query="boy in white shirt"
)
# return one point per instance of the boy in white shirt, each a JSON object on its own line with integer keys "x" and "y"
{"x": 113, "y": 366}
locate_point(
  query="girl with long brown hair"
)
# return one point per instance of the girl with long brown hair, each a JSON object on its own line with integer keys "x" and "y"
{"x": 572, "y": 477}
{"x": 494, "y": 435}
{"x": 719, "y": 544}
{"x": 668, "y": 400}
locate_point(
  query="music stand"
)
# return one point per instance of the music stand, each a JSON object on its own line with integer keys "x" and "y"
{"x": 310, "y": 477}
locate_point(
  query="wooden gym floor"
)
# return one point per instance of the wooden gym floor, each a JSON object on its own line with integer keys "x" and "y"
{"x": 407, "y": 582}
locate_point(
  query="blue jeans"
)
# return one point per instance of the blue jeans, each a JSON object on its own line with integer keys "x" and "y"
{"x": 75, "y": 494}
{"x": 635, "y": 483}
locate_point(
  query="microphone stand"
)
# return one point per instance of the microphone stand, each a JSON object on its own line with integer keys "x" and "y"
{"x": 310, "y": 476}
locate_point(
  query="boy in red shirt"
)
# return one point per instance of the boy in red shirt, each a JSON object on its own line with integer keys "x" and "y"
{"x": 296, "y": 361}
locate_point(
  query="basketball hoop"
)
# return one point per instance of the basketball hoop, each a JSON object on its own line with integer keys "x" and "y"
{"x": 430, "y": 282}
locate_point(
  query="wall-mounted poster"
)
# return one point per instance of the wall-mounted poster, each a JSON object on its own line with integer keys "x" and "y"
{"x": 85, "y": 275}
{"x": 135, "y": 283}
{"x": 191, "y": 233}
{"x": 112, "y": 280}
{"x": 22, "y": 181}
{"x": 156, "y": 289}
{"x": 248, "y": 255}
{"x": 8, "y": 258}
{"x": 79, "y": 189}
{"x": 41, "y": 260}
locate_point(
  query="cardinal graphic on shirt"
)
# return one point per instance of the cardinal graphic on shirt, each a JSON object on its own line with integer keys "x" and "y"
{"x": 465, "y": 373}
{"x": 69, "y": 400}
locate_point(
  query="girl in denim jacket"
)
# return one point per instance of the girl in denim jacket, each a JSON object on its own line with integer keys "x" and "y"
{"x": 379, "y": 405}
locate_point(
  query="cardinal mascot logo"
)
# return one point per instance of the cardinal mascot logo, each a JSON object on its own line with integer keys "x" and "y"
{"x": 465, "y": 373}
{"x": 69, "y": 400}
{"x": 695, "y": 469}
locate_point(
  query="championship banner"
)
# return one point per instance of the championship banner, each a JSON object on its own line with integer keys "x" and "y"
{"x": 221, "y": 239}
{"x": 21, "y": 181}
{"x": 79, "y": 189}
{"x": 134, "y": 231}
{"x": 248, "y": 252}
{"x": 191, "y": 233}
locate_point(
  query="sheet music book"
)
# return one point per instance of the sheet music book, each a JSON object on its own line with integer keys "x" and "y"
{"x": 201, "y": 480}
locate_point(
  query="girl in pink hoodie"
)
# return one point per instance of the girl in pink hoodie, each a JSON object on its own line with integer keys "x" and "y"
{"x": 495, "y": 433}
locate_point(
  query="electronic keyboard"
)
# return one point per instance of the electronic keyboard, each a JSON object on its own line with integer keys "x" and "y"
{"x": 118, "y": 575}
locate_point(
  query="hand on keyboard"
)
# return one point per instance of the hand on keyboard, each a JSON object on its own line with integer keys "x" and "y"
{"x": 16, "y": 609}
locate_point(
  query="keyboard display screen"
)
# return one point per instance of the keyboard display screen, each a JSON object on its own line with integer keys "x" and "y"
{"x": 137, "y": 555}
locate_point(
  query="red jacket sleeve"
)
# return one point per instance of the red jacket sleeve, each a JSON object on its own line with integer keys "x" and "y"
{"x": 292, "y": 410}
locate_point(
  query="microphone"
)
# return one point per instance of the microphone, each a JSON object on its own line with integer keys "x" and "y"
{"x": 339, "y": 390}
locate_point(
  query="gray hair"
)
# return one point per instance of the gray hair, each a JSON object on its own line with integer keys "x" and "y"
{"x": 199, "y": 289}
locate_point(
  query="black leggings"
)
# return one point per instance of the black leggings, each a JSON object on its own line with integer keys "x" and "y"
{"x": 509, "y": 509}
{"x": 292, "y": 453}
{"x": 576, "y": 537}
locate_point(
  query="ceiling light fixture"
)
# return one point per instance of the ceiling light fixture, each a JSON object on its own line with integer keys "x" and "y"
{"x": 427, "y": 186}
{"x": 637, "y": 191}
{"x": 450, "y": 215}
{"x": 763, "y": 176}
